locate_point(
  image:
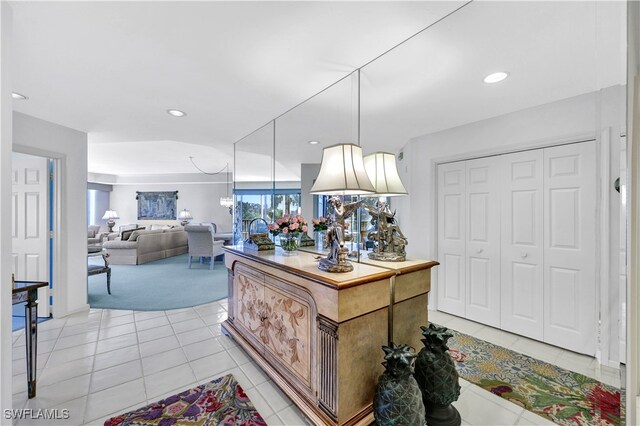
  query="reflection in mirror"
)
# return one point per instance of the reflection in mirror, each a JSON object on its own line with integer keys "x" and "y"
{"x": 253, "y": 183}
{"x": 301, "y": 134}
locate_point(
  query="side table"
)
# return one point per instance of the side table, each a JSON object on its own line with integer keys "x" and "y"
{"x": 27, "y": 291}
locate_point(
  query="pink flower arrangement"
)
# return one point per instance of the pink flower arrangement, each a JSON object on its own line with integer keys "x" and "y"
{"x": 320, "y": 224}
{"x": 293, "y": 224}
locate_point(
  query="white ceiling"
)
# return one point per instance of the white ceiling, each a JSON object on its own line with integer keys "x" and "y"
{"x": 113, "y": 68}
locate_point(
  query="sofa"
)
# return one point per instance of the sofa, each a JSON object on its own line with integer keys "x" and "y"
{"x": 147, "y": 245}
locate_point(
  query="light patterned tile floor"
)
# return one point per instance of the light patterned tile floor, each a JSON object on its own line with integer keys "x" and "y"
{"x": 105, "y": 362}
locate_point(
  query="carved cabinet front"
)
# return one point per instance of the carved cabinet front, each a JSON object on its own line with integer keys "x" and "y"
{"x": 279, "y": 320}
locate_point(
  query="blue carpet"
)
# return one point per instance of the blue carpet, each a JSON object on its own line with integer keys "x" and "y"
{"x": 158, "y": 286}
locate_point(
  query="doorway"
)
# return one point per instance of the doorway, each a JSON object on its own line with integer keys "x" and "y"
{"x": 32, "y": 226}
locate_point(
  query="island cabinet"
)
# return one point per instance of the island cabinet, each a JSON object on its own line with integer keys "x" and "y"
{"x": 318, "y": 335}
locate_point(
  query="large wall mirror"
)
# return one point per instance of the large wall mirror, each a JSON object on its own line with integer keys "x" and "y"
{"x": 512, "y": 185}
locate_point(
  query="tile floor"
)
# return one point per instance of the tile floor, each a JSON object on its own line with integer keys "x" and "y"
{"x": 104, "y": 362}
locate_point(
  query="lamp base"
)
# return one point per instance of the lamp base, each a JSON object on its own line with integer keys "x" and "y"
{"x": 184, "y": 223}
{"x": 387, "y": 257}
{"x": 111, "y": 224}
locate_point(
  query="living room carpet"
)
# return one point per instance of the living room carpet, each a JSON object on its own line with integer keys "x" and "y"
{"x": 562, "y": 396}
{"x": 219, "y": 402}
{"x": 157, "y": 286}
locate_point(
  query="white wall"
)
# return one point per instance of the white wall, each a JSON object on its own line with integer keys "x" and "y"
{"x": 5, "y": 206}
{"x": 202, "y": 200}
{"x": 69, "y": 148}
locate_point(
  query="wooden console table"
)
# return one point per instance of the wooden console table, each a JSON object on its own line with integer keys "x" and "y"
{"x": 318, "y": 335}
{"x": 27, "y": 292}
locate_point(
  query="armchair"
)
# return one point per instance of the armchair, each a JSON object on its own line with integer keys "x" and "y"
{"x": 202, "y": 243}
{"x": 94, "y": 236}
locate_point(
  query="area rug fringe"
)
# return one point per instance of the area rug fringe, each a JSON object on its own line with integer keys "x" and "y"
{"x": 219, "y": 402}
{"x": 562, "y": 396}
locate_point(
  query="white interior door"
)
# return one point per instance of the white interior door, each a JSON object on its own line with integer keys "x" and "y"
{"x": 569, "y": 239}
{"x": 483, "y": 241}
{"x": 451, "y": 238}
{"x": 30, "y": 248}
{"x": 522, "y": 243}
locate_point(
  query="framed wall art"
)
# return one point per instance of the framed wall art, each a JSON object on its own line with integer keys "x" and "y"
{"x": 157, "y": 205}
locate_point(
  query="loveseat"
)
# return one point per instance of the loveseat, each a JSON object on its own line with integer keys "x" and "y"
{"x": 147, "y": 245}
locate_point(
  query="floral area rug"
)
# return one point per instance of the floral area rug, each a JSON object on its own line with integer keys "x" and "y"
{"x": 562, "y": 396}
{"x": 219, "y": 402}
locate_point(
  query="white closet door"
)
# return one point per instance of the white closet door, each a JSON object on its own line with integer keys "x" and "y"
{"x": 451, "y": 238}
{"x": 569, "y": 238}
{"x": 483, "y": 241}
{"x": 522, "y": 243}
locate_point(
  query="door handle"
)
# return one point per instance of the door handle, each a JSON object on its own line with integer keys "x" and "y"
{"x": 524, "y": 255}
{"x": 479, "y": 251}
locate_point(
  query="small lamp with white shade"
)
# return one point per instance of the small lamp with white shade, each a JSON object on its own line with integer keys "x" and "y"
{"x": 342, "y": 172}
{"x": 110, "y": 216}
{"x": 390, "y": 241}
{"x": 185, "y": 217}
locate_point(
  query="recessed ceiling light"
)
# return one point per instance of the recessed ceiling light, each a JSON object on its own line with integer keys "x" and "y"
{"x": 176, "y": 112}
{"x": 16, "y": 95}
{"x": 496, "y": 77}
{"x": 313, "y": 142}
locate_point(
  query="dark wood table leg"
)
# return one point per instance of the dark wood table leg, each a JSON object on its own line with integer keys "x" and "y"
{"x": 31, "y": 338}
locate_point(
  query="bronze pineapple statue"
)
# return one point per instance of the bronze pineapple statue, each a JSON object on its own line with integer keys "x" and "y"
{"x": 437, "y": 377}
{"x": 398, "y": 400}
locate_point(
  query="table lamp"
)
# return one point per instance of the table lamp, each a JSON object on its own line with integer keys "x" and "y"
{"x": 389, "y": 239}
{"x": 342, "y": 172}
{"x": 111, "y": 215}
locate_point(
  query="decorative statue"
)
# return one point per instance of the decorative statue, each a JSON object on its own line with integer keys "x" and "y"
{"x": 389, "y": 239}
{"x": 437, "y": 377}
{"x": 398, "y": 400}
{"x": 336, "y": 260}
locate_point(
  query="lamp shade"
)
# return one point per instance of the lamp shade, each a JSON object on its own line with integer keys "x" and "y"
{"x": 185, "y": 215}
{"x": 381, "y": 169}
{"x": 110, "y": 215}
{"x": 342, "y": 172}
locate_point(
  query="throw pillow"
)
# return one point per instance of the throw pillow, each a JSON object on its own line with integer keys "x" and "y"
{"x": 127, "y": 234}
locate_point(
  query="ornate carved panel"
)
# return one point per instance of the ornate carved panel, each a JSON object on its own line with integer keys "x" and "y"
{"x": 286, "y": 331}
{"x": 249, "y": 305}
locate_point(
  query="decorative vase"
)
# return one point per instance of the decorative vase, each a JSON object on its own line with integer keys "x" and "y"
{"x": 290, "y": 244}
{"x": 398, "y": 400}
{"x": 437, "y": 377}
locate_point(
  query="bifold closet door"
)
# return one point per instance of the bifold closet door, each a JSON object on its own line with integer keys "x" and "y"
{"x": 451, "y": 238}
{"x": 569, "y": 237}
{"x": 522, "y": 249}
{"x": 482, "y": 258}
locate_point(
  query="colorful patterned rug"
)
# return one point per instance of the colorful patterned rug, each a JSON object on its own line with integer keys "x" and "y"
{"x": 219, "y": 402}
{"x": 562, "y": 396}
